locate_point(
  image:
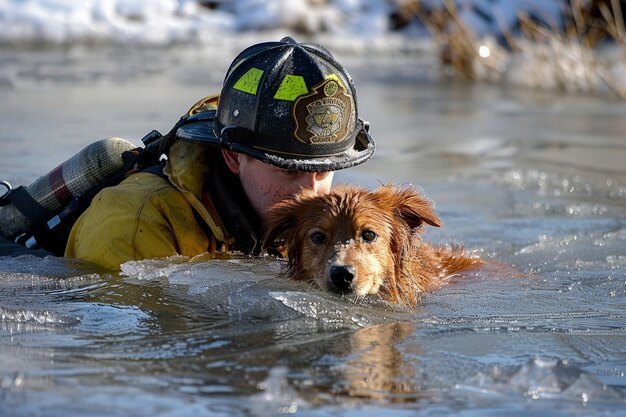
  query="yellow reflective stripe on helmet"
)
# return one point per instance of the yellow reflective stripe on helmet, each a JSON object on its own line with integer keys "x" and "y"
{"x": 291, "y": 88}
{"x": 336, "y": 78}
{"x": 249, "y": 82}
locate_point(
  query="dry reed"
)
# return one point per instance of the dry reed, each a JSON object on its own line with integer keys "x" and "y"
{"x": 547, "y": 57}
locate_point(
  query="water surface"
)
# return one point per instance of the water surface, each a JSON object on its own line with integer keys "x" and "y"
{"x": 533, "y": 182}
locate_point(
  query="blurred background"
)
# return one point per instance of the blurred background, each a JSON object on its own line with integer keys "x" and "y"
{"x": 477, "y": 39}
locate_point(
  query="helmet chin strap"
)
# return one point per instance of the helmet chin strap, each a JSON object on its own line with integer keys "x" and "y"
{"x": 230, "y": 135}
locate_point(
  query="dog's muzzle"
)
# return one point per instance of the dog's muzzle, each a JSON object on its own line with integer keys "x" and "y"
{"x": 340, "y": 279}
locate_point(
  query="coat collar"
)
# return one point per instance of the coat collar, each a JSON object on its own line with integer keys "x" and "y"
{"x": 199, "y": 172}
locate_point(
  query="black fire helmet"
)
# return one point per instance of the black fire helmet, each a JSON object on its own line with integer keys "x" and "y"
{"x": 288, "y": 104}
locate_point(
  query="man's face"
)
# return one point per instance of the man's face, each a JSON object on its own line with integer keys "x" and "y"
{"x": 265, "y": 184}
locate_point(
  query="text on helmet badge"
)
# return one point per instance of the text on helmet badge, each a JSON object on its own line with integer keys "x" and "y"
{"x": 322, "y": 116}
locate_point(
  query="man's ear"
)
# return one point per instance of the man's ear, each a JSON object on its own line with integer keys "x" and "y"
{"x": 412, "y": 207}
{"x": 232, "y": 160}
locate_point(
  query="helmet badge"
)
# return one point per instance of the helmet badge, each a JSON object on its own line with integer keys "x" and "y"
{"x": 323, "y": 115}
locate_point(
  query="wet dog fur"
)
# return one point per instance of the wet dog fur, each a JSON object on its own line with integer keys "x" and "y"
{"x": 359, "y": 242}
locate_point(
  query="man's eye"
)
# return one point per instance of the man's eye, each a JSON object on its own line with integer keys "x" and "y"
{"x": 318, "y": 238}
{"x": 368, "y": 236}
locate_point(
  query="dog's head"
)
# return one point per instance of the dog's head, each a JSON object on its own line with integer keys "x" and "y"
{"x": 352, "y": 241}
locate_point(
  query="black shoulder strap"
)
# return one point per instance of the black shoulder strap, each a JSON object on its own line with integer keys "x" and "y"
{"x": 28, "y": 206}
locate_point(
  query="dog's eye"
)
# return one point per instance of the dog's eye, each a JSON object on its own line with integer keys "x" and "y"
{"x": 368, "y": 236}
{"x": 318, "y": 238}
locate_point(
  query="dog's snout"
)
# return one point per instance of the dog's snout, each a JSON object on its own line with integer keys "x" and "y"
{"x": 341, "y": 278}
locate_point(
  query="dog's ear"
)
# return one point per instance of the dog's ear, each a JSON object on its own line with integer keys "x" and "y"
{"x": 280, "y": 218}
{"x": 411, "y": 206}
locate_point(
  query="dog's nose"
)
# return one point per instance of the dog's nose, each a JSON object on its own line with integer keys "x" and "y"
{"x": 341, "y": 278}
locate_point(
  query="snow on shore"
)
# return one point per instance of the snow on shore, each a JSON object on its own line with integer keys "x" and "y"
{"x": 166, "y": 22}
{"x": 360, "y": 27}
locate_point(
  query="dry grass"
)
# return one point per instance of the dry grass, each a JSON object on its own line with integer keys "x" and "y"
{"x": 543, "y": 57}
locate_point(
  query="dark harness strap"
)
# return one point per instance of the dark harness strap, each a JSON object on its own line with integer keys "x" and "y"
{"x": 28, "y": 206}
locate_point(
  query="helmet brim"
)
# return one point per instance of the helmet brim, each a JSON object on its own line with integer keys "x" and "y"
{"x": 362, "y": 150}
{"x": 198, "y": 132}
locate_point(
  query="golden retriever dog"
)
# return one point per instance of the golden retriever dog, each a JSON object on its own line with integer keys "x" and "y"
{"x": 359, "y": 242}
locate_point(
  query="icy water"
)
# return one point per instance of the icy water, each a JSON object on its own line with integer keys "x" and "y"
{"x": 535, "y": 183}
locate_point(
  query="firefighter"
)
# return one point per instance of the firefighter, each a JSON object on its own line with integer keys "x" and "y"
{"x": 286, "y": 119}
